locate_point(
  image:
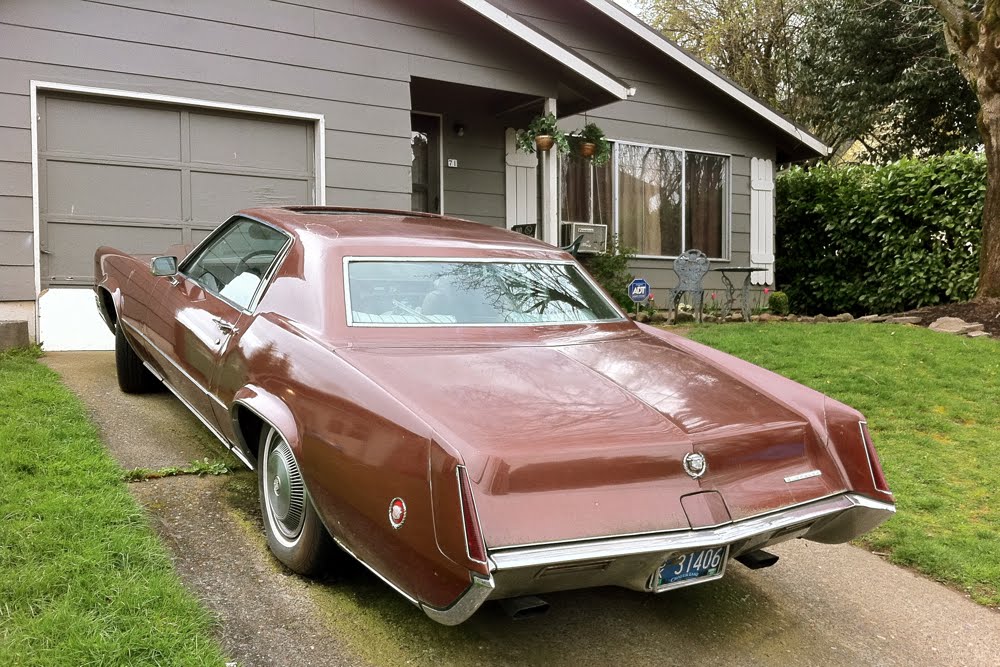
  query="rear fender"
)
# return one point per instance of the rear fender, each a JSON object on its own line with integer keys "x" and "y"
{"x": 269, "y": 408}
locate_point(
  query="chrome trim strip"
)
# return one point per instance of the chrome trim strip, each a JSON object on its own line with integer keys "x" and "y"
{"x": 478, "y": 260}
{"x": 235, "y": 450}
{"x": 664, "y": 532}
{"x": 466, "y": 605}
{"x": 173, "y": 363}
{"x": 378, "y": 574}
{"x": 555, "y": 553}
{"x": 803, "y": 475}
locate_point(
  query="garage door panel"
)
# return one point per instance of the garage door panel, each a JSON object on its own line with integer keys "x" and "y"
{"x": 116, "y": 191}
{"x": 72, "y": 246}
{"x": 214, "y": 197}
{"x": 250, "y": 142}
{"x": 17, "y": 249}
{"x": 80, "y": 126}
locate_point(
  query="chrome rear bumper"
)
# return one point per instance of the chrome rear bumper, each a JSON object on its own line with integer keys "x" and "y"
{"x": 630, "y": 561}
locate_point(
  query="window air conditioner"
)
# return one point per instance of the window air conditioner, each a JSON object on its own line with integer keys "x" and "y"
{"x": 595, "y": 237}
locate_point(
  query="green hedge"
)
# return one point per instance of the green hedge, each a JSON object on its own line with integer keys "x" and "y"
{"x": 865, "y": 239}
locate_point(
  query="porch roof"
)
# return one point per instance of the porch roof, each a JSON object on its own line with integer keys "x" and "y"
{"x": 546, "y": 44}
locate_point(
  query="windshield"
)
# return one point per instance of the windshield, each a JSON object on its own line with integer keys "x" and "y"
{"x": 471, "y": 292}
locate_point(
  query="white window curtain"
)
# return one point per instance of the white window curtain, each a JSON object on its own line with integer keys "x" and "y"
{"x": 668, "y": 200}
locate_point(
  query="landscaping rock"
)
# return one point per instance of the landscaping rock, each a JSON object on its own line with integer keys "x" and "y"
{"x": 955, "y": 325}
{"x": 872, "y": 318}
{"x": 821, "y": 318}
{"x": 977, "y": 334}
{"x": 793, "y": 318}
{"x": 844, "y": 317}
{"x": 735, "y": 317}
{"x": 643, "y": 317}
{"x": 13, "y": 333}
{"x": 681, "y": 317}
{"x": 755, "y": 318}
{"x": 910, "y": 319}
{"x": 808, "y": 319}
{"x": 766, "y": 317}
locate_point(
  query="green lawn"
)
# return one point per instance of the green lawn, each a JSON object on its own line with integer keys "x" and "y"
{"x": 933, "y": 405}
{"x": 83, "y": 579}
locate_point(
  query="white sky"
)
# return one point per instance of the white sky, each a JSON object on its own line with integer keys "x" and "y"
{"x": 630, "y": 5}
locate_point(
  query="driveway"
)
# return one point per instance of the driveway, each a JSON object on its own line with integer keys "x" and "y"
{"x": 820, "y": 605}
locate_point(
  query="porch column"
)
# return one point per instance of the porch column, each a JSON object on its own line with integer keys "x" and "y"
{"x": 550, "y": 187}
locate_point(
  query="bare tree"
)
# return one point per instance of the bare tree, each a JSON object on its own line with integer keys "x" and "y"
{"x": 972, "y": 32}
{"x": 754, "y": 42}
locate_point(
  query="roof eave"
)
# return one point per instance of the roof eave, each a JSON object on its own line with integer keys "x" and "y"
{"x": 567, "y": 57}
{"x": 630, "y": 22}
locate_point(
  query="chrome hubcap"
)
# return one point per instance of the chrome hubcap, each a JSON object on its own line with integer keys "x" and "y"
{"x": 286, "y": 492}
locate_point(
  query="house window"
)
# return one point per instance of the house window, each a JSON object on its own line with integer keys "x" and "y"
{"x": 668, "y": 200}
{"x": 586, "y": 192}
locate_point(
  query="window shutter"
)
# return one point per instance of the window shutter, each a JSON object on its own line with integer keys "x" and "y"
{"x": 522, "y": 185}
{"x": 762, "y": 220}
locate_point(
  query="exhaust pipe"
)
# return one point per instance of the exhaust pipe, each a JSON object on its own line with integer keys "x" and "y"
{"x": 756, "y": 560}
{"x": 528, "y": 606}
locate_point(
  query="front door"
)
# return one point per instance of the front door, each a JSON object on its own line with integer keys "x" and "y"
{"x": 425, "y": 146}
{"x": 208, "y": 303}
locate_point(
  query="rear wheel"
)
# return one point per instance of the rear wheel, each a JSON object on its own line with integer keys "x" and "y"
{"x": 294, "y": 531}
{"x": 133, "y": 376}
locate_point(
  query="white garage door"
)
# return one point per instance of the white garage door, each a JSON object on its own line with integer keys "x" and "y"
{"x": 142, "y": 177}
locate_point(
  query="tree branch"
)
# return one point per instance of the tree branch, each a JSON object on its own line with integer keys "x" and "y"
{"x": 961, "y": 26}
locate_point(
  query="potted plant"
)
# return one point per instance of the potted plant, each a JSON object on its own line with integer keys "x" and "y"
{"x": 590, "y": 143}
{"x": 542, "y": 134}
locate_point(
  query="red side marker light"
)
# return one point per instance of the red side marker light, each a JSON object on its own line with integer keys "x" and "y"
{"x": 474, "y": 544}
{"x": 873, "y": 461}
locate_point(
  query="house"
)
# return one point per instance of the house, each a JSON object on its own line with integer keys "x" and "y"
{"x": 145, "y": 123}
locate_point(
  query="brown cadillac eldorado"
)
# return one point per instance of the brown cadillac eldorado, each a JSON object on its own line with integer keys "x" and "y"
{"x": 464, "y": 410}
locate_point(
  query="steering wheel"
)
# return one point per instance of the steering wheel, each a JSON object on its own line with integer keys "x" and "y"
{"x": 244, "y": 263}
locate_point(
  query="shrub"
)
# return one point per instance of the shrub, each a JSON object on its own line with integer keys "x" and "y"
{"x": 864, "y": 239}
{"x": 610, "y": 270}
{"x": 778, "y": 303}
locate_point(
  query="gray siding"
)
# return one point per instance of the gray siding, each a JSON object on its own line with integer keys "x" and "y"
{"x": 351, "y": 62}
{"x": 354, "y": 63}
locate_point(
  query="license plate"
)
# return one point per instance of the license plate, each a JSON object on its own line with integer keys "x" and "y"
{"x": 692, "y": 567}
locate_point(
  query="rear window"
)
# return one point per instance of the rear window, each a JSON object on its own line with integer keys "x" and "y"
{"x": 401, "y": 292}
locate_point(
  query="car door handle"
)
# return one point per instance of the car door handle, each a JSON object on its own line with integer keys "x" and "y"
{"x": 224, "y": 326}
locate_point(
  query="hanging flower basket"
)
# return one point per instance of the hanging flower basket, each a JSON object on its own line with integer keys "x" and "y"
{"x": 544, "y": 142}
{"x": 589, "y": 143}
{"x": 541, "y": 135}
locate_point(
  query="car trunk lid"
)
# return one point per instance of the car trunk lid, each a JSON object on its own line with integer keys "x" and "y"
{"x": 567, "y": 442}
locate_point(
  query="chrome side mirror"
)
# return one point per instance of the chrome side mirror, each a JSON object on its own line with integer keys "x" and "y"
{"x": 163, "y": 266}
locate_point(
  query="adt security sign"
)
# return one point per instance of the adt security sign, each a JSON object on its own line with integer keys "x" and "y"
{"x": 638, "y": 290}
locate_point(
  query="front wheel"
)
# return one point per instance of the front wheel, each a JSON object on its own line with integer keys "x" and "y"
{"x": 295, "y": 534}
{"x": 133, "y": 376}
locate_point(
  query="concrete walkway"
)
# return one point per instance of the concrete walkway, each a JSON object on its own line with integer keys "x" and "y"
{"x": 821, "y": 605}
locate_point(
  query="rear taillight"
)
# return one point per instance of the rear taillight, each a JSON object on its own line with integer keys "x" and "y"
{"x": 873, "y": 461}
{"x": 474, "y": 545}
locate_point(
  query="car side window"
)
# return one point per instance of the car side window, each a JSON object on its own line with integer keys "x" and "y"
{"x": 235, "y": 262}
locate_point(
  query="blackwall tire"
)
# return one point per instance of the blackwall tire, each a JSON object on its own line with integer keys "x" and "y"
{"x": 295, "y": 534}
{"x": 133, "y": 376}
